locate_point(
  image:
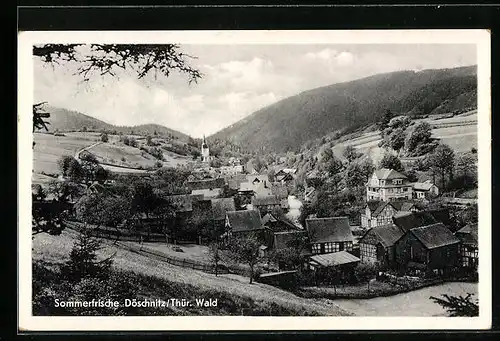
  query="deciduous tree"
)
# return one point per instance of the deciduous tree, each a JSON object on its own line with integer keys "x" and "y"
{"x": 246, "y": 250}
{"x": 391, "y": 161}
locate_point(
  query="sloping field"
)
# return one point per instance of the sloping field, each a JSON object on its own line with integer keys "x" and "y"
{"x": 461, "y": 137}
{"x": 122, "y": 155}
{"x": 50, "y": 148}
{"x": 55, "y": 249}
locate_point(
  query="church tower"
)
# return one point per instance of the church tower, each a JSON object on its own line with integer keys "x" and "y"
{"x": 205, "y": 152}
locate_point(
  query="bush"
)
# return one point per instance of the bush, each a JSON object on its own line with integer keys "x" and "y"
{"x": 366, "y": 271}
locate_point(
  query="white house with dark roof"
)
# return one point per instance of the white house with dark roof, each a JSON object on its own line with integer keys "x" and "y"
{"x": 388, "y": 185}
{"x": 329, "y": 235}
{"x": 425, "y": 190}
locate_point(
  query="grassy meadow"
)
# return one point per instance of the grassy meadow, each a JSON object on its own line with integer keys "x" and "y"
{"x": 239, "y": 297}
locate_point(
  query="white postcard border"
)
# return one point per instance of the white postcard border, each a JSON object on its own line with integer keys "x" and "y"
{"x": 27, "y": 322}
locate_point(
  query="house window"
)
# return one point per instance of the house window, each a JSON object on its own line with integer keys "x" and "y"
{"x": 397, "y": 181}
{"x": 332, "y": 247}
{"x": 368, "y": 252}
{"x": 316, "y": 248}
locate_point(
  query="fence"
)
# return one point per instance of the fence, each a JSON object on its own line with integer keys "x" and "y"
{"x": 114, "y": 234}
{"x": 454, "y": 124}
{"x": 459, "y": 201}
{"x": 182, "y": 262}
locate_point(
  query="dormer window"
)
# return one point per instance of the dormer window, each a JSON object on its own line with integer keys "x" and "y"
{"x": 397, "y": 181}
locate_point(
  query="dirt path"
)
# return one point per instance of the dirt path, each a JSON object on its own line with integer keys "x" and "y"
{"x": 77, "y": 154}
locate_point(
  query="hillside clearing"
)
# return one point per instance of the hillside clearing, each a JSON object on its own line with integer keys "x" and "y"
{"x": 55, "y": 249}
{"x": 122, "y": 155}
{"x": 50, "y": 148}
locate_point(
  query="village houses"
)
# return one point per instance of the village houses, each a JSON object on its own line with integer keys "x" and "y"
{"x": 329, "y": 235}
{"x": 244, "y": 223}
{"x": 469, "y": 246}
{"x": 388, "y": 185}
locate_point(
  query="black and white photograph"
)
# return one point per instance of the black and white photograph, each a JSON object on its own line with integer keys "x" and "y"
{"x": 310, "y": 180}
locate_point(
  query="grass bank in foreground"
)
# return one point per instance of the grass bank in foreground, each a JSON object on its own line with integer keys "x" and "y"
{"x": 159, "y": 280}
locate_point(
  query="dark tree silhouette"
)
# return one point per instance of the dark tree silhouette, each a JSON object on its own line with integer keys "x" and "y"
{"x": 458, "y": 305}
{"x": 107, "y": 59}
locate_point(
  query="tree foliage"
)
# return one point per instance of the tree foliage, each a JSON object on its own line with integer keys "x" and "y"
{"x": 246, "y": 250}
{"x": 391, "y": 161}
{"x": 458, "y": 305}
{"x": 350, "y": 153}
{"x": 441, "y": 162}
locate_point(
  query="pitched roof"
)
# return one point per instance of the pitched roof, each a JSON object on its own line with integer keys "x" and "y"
{"x": 334, "y": 259}
{"x": 247, "y": 220}
{"x": 409, "y": 220}
{"x": 257, "y": 177}
{"x": 221, "y": 206}
{"x": 435, "y": 235}
{"x": 279, "y": 190}
{"x": 468, "y": 234}
{"x": 207, "y": 193}
{"x": 182, "y": 202}
{"x": 422, "y": 186}
{"x": 265, "y": 200}
{"x": 424, "y": 178}
{"x": 388, "y": 174}
{"x": 285, "y": 239}
{"x": 387, "y": 235}
{"x": 269, "y": 218}
{"x": 373, "y": 204}
{"x": 403, "y": 205}
{"x": 376, "y": 207}
{"x": 288, "y": 170}
{"x": 206, "y": 184}
{"x": 332, "y": 229}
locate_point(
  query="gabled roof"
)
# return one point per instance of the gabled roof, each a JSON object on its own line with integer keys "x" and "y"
{"x": 222, "y": 205}
{"x": 388, "y": 174}
{"x": 182, "y": 202}
{"x": 247, "y": 220}
{"x": 468, "y": 234}
{"x": 424, "y": 178}
{"x": 434, "y": 236}
{"x": 286, "y": 239}
{"x": 287, "y": 171}
{"x": 332, "y": 229}
{"x": 207, "y": 193}
{"x": 269, "y": 218}
{"x": 277, "y": 224}
{"x": 334, "y": 259}
{"x": 265, "y": 200}
{"x": 376, "y": 207}
{"x": 386, "y": 235}
{"x": 410, "y": 220}
{"x": 403, "y": 205}
{"x": 422, "y": 186}
{"x": 206, "y": 184}
{"x": 251, "y": 178}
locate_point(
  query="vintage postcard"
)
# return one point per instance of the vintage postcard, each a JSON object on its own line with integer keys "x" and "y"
{"x": 254, "y": 180}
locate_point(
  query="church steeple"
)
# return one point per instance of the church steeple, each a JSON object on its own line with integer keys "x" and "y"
{"x": 205, "y": 152}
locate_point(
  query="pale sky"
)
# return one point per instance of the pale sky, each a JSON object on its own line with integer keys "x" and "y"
{"x": 238, "y": 80}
